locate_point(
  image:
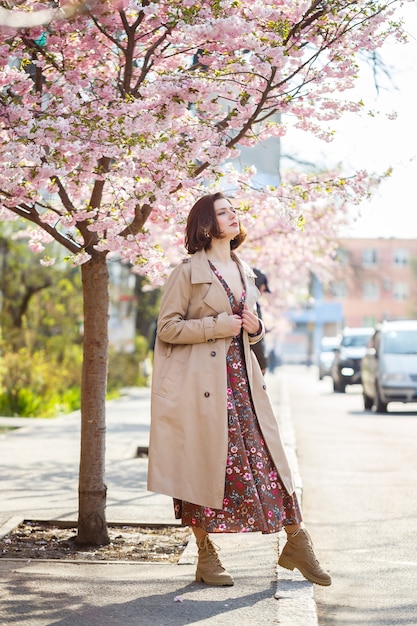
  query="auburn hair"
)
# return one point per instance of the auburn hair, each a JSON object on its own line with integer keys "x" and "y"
{"x": 202, "y": 225}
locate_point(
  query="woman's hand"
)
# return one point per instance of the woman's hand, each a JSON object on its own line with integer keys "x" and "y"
{"x": 250, "y": 321}
{"x": 236, "y": 322}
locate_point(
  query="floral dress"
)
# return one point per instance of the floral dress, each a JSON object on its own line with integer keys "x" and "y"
{"x": 254, "y": 497}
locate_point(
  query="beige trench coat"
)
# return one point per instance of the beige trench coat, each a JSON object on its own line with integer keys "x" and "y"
{"x": 188, "y": 435}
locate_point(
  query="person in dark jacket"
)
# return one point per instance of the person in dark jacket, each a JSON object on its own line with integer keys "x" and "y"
{"x": 259, "y": 348}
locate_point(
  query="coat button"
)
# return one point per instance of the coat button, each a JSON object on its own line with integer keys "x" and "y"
{"x": 210, "y": 340}
{"x": 206, "y": 394}
{"x": 263, "y": 386}
{"x": 213, "y": 353}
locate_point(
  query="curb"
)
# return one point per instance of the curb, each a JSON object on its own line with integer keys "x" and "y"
{"x": 294, "y": 593}
{"x": 9, "y": 525}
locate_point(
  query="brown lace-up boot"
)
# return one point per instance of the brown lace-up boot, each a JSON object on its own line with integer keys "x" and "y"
{"x": 209, "y": 568}
{"x": 299, "y": 552}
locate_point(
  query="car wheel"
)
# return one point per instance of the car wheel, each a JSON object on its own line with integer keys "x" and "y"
{"x": 380, "y": 406}
{"x": 367, "y": 402}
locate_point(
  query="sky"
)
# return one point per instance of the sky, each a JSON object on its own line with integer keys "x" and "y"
{"x": 377, "y": 143}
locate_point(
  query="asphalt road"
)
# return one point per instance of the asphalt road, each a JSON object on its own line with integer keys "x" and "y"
{"x": 359, "y": 501}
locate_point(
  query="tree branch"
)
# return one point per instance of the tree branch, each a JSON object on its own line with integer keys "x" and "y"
{"x": 68, "y": 205}
{"x": 29, "y": 213}
{"x": 141, "y": 215}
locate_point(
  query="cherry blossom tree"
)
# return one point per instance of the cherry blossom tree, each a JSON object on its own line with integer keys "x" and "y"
{"x": 113, "y": 123}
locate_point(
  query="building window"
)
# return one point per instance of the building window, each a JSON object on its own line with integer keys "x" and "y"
{"x": 342, "y": 257}
{"x": 401, "y": 257}
{"x": 369, "y": 257}
{"x": 400, "y": 291}
{"x": 339, "y": 289}
{"x": 371, "y": 290}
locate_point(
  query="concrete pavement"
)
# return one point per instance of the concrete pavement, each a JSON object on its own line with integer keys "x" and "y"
{"x": 39, "y": 481}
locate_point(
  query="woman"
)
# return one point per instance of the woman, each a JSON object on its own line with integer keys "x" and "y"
{"x": 215, "y": 446}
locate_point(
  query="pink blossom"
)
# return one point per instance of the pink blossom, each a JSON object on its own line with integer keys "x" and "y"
{"x": 47, "y": 261}
{"x": 36, "y": 247}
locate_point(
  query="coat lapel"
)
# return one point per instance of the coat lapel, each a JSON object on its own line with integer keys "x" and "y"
{"x": 252, "y": 292}
{"x": 216, "y": 297}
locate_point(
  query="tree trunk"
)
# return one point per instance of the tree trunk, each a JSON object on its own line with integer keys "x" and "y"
{"x": 92, "y": 528}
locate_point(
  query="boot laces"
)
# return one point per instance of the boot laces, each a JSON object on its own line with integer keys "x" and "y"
{"x": 212, "y": 548}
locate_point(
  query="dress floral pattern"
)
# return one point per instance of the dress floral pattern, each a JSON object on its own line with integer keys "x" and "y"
{"x": 254, "y": 498}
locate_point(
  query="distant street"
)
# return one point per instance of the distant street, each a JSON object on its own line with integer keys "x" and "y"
{"x": 359, "y": 474}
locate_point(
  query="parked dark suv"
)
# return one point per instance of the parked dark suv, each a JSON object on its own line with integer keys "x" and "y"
{"x": 346, "y": 368}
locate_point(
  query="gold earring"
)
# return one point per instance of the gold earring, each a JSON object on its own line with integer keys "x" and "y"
{"x": 206, "y": 233}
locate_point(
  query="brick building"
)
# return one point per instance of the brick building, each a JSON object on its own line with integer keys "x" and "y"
{"x": 377, "y": 280}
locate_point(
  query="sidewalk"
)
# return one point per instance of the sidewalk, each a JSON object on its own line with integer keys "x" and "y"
{"x": 39, "y": 481}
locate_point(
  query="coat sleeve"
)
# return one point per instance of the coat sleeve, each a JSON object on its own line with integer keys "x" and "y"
{"x": 173, "y": 325}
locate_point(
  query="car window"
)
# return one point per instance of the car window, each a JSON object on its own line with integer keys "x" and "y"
{"x": 355, "y": 341}
{"x": 328, "y": 348}
{"x": 400, "y": 342}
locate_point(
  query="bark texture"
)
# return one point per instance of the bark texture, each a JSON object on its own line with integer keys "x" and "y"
{"x": 92, "y": 527}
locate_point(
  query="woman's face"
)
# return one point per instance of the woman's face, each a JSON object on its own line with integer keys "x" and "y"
{"x": 227, "y": 219}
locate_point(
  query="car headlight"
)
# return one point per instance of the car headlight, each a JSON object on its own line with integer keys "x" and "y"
{"x": 394, "y": 377}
